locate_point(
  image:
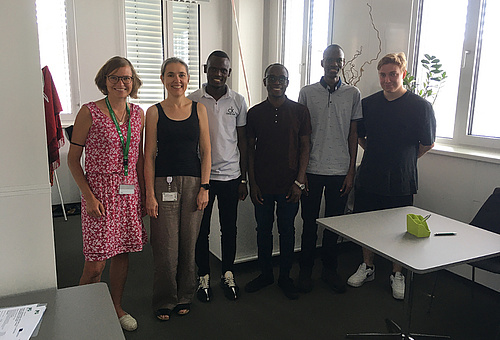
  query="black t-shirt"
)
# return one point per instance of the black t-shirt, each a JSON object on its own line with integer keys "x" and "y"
{"x": 177, "y": 143}
{"x": 394, "y": 130}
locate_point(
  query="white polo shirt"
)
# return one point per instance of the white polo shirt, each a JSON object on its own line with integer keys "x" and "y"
{"x": 224, "y": 116}
{"x": 331, "y": 116}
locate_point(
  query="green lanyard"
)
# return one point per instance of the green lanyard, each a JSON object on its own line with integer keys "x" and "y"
{"x": 125, "y": 147}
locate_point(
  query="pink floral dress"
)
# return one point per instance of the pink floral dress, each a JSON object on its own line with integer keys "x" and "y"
{"x": 121, "y": 229}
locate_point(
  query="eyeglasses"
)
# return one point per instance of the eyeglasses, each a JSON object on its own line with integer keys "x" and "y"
{"x": 280, "y": 79}
{"x": 124, "y": 79}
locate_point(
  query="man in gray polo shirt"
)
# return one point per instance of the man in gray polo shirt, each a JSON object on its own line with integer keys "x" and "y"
{"x": 334, "y": 107}
{"x": 227, "y": 116}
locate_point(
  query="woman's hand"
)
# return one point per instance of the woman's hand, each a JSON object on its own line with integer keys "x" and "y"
{"x": 152, "y": 206}
{"x": 94, "y": 207}
{"x": 202, "y": 199}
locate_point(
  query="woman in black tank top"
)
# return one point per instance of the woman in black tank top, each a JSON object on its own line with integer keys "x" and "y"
{"x": 177, "y": 171}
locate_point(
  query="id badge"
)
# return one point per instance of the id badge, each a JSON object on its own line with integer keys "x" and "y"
{"x": 169, "y": 196}
{"x": 126, "y": 189}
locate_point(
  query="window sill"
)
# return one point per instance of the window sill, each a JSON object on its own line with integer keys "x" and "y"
{"x": 467, "y": 152}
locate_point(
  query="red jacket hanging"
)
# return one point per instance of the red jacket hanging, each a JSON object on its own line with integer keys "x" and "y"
{"x": 55, "y": 136}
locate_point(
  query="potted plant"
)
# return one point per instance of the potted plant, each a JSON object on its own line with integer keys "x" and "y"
{"x": 432, "y": 82}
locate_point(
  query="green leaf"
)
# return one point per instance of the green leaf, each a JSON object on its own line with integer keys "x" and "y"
{"x": 423, "y": 61}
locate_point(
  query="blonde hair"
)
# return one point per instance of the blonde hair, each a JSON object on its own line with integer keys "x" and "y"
{"x": 393, "y": 58}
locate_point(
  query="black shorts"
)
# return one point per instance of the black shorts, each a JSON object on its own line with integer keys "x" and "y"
{"x": 367, "y": 201}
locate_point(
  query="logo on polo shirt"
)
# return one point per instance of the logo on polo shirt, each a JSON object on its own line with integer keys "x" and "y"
{"x": 231, "y": 111}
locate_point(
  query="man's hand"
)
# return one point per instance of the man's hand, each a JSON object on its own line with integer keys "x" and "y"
{"x": 242, "y": 191}
{"x": 293, "y": 194}
{"x": 256, "y": 195}
{"x": 348, "y": 184}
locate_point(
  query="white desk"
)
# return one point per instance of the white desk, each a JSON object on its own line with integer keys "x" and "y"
{"x": 384, "y": 233}
{"x": 77, "y": 313}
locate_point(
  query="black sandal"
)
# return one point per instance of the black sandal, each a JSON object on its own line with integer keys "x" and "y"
{"x": 163, "y": 312}
{"x": 183, "y": 309}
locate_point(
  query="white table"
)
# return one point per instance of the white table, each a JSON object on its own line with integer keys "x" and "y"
{"x": 384, "y": 233}
{"x": 77, "y": 313}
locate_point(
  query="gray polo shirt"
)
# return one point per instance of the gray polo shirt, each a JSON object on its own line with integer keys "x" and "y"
{"x": 224, "y": 116}
{"x": 332, "y": 111}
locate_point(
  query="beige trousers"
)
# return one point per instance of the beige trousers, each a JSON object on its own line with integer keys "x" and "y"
{"x": 173, "y": 238}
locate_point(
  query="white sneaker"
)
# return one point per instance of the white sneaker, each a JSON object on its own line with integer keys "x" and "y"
{"x": 398, "y": 286}
{"x": 362, "y": 275}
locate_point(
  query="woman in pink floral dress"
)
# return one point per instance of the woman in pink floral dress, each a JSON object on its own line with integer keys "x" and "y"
{"x": 110, "y": 130}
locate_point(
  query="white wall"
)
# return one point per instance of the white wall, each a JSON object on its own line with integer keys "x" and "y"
{"x": 26, "y": 241}
{"x": 353, "y": 31}
{"x": 457, "y": 188}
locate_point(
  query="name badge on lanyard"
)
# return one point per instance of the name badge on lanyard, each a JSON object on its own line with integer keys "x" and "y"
{"x": 124, "y": 189}
{"x": 169, "y": 196}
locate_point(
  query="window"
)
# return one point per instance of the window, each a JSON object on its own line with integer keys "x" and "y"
{"x": 54, "y": 20}
{"x": 465, "y": 43}
{"x": 157, "y": 29}
{"x": 302, "y": 56}
{"x": 185, "y": 42}
{"x": 143, "y": 22}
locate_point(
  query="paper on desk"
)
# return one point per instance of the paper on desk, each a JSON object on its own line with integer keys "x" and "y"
{"x": 18, "y": 323}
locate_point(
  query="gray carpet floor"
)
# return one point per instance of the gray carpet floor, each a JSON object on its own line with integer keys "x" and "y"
{"x": 462, "y": 310}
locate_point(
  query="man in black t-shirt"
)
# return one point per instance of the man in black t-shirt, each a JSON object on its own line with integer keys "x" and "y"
{"x": 397, "y": 128}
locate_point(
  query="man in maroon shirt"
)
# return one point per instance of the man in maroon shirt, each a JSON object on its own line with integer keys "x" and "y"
{"x": 278, "y": 132}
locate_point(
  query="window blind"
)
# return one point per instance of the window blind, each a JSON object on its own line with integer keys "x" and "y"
{"x": 185, "y": 37}
{"x": 144, "y": 35}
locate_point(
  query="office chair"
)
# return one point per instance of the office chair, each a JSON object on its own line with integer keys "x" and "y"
{"x": 488, "y": 218}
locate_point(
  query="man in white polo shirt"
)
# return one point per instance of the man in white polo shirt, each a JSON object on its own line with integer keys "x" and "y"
{"x": 227, "y": 116}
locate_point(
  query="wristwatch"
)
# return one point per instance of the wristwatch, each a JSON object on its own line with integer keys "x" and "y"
{"x": 302, "y": 186}
{"x": 205, "y": 186}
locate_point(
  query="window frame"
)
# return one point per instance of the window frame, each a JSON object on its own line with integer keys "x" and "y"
{"x": 306, "y": 51}
{"x": 68, "y": 116}
{"x": 467, "y": 79}
{"x": 169, "y": 41}
{"x": 168, "y": 47}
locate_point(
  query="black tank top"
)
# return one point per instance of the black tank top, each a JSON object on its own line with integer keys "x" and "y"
{"x": 177, "y": 143}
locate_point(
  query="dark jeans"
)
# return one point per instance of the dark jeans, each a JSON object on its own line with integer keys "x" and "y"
{"x": 334, "y": 206}
{"x": 366, "y": 201}
{"x": 227, "y": 198}
{"x": 264, "y": 215}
